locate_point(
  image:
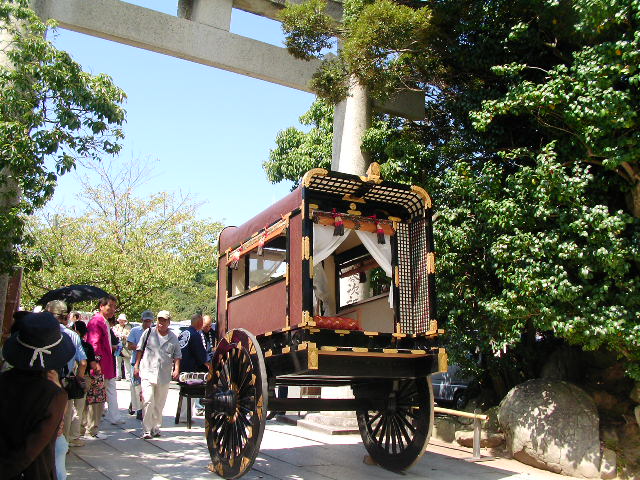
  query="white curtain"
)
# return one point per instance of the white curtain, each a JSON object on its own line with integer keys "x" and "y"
{"x": 381, "y": 253}
{"x": 324, "y": 242}
{"x": 322, "y": 291}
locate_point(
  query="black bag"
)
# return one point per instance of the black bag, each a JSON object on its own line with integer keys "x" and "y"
{"x": 74, "y": 386}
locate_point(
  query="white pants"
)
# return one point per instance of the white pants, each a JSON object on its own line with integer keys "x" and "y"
{"x": 135, "y": 391}
{"x": 122, "y": 363}
{"x": 154, "y": 396}
{"x": 113, "y": 414}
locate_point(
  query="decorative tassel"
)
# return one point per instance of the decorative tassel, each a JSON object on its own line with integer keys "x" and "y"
{"x": 235, "y": 258}
{"x": 261, "y": 243}
{"x": 379, "y": 230}
{"x": 338, "y": 224}
{"x": 380, "y": 233}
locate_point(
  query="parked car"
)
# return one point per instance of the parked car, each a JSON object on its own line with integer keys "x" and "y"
{"x": 450, "y": 388}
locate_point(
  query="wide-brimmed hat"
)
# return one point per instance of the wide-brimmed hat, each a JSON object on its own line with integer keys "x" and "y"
{"x": 38, "y": 344}
{"x": 122, "y": 316}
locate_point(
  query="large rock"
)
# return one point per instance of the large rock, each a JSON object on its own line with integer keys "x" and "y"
{"x": 608, "y": 465}
{"x": 552, "y": 425}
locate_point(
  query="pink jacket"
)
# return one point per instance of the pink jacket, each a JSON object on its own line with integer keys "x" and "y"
{"x": 99, "y": 338}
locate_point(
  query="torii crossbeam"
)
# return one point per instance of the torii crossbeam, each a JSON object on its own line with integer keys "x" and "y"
{"x": 200, "y": 33}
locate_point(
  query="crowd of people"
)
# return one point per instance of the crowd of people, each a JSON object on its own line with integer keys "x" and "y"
{"x": 58, "y": 373}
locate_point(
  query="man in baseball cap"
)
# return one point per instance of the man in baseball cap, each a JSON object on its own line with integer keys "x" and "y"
{"x": 157, "y": 362}
{"x": 133, "y": 339}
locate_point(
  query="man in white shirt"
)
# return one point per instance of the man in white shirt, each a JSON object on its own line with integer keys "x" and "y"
{"x": 157, "y": 362}
{"x": 132, "y": 343}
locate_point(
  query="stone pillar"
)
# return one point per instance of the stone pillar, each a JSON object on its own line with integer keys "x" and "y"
{"x": 352, "y": 117}
{"x": 338, "y": 127}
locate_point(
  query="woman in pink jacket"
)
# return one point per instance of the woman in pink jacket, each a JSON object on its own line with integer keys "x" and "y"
{"x": 99, "y": 337}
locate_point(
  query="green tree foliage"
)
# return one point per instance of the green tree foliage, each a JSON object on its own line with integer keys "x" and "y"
{"x": 52, "y": 114}
{"x": 381, "y": 42}
{"x": 529, "y": 148}
{"x": 151, "y": 253}
{"x": 587, "y": 101}
{"x": 297, "y": 151}
{"x": 535, "y": 253}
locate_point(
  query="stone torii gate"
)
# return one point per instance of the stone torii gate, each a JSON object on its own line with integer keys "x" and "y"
{"x": 200, "y": 33}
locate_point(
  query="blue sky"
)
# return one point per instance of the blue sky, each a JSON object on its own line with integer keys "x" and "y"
{"x": 205, "y": 131}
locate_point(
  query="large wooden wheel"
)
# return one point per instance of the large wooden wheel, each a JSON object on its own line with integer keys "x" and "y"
{"x": 236, "y": 403}
{"x": 397, "y": 436}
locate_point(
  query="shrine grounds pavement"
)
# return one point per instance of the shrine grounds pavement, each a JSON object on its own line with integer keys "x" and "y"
{"x": 287, "y": 452}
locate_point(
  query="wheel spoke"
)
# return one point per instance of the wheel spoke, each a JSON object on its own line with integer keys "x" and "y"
{"x": 409, "y": 413}
{"x": 401, "y": 433}
{"x": 247, "y": 392}
{"x": 392, "y": 428}
{"x": 375, "y": 417}
{"x": 232, "y": 441}
{"x": 387, "y": 432}
{"x": 224, "y": 375}
{"x": 244, "y": 377}
{"x": 244, "y": 410}
{"x": 383, "y": 427}
{"x": 241, "y": 366}
{"x": 223, "y": 438}
{"x": 242, "y": 434}
{"x": 220, "y": 420}
{"x": 246, "y": 420}
{"x": 233, "y": 366}
{"x": 406, "y": 422}
{"x": 229, "y": 440}
{"x": 379, "y": 425}
{"x": 236, "y": 440}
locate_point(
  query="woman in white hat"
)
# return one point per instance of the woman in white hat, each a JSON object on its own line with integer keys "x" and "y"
{"x": 32, "y": 402}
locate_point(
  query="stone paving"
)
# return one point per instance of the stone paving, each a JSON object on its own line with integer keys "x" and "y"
{"x": 287, "y": 452}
